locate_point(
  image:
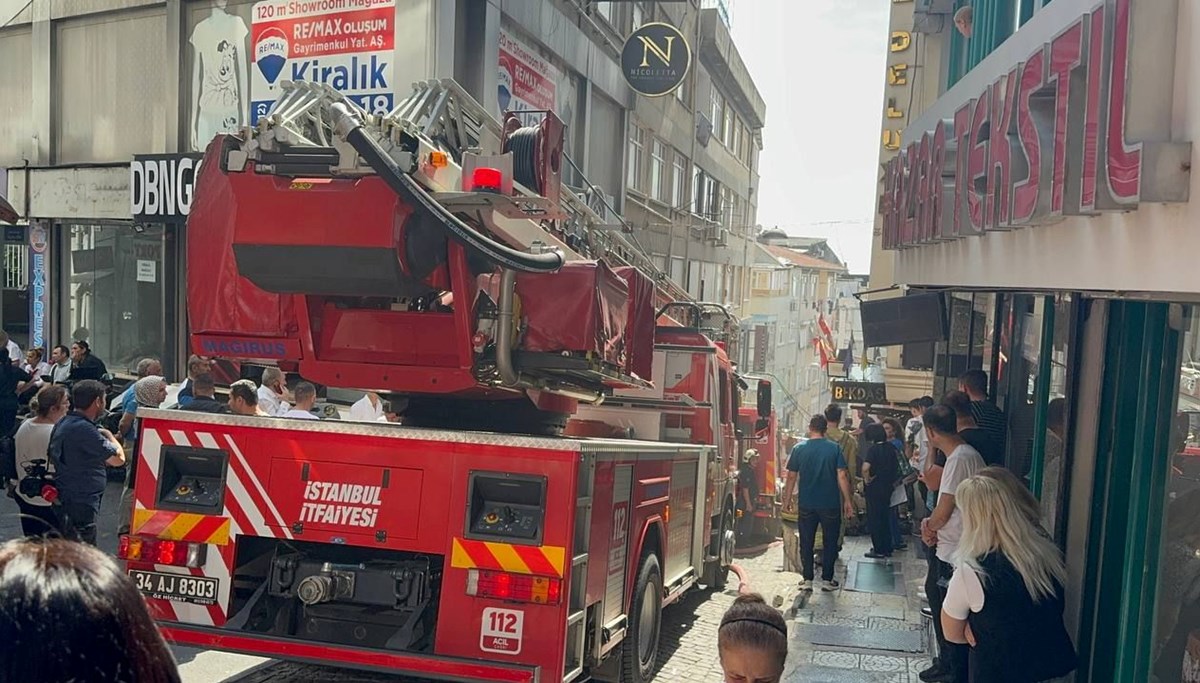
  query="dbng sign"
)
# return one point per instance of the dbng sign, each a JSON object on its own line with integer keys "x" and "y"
{"x": 161, "y": 187}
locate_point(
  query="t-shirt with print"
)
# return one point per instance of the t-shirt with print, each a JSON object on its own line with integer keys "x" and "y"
{"x": 962, "y": 464}
{"x": 817, "y": 462}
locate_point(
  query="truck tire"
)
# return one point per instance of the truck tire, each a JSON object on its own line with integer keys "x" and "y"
{"x": 639, "y": 650}
{"x": 716, "y": 574}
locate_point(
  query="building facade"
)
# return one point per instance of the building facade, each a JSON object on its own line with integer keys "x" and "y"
{"x": 1063, "y": 252}
{"x": 792, "y": 294}
{"x": 105, "y": 105}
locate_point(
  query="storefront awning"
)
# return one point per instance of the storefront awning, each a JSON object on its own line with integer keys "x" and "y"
{"x": 7, "y": 213}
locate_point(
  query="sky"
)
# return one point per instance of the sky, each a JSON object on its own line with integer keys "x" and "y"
{"x": 820, "y": 67}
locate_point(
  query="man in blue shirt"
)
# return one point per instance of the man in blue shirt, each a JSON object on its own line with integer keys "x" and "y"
{"x": 820, "y": 467}
{"x": 81, "y": 451}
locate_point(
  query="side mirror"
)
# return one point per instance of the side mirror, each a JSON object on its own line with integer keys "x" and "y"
{"x": 764, "y": 399}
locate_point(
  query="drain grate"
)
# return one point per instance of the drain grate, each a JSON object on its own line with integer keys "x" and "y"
{"x": 861, "y": 638}
{"x": 875, "y": 577}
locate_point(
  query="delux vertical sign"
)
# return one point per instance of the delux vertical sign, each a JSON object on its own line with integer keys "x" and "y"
{"x": 346, "y": 44}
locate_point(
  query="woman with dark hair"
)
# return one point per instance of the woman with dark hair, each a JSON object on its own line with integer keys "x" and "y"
{"x": 752, "y": 641}
{"x": 880, "y": 471}
{"x": 900, "y": 498}
{"x": 68, "y": 613}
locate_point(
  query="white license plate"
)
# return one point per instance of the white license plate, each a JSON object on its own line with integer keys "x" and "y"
{"x": 198, "y": 590}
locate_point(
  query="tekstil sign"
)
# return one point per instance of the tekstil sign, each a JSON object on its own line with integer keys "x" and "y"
{"x": 1047, "y": 138}
{"x": 346, "y": 44}
{"x": 870, "y": 393}
{"x": 655, "y": 59}
{"x": 161, "y": 186}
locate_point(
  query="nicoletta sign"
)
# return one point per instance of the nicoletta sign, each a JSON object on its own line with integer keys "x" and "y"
{"x": 655, "y": 59}
{"x": 1049, "y": 136}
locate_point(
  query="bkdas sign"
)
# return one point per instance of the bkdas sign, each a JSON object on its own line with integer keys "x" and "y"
{"x": 1048, "y": 138}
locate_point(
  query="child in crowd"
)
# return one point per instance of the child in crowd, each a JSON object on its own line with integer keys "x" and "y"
{"x": 752, "y": 641}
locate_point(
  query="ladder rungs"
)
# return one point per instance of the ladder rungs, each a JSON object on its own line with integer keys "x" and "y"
{"x": 575, "y": 618}
{"x": 579, "y": 559}
{"x": 583, "y": 501}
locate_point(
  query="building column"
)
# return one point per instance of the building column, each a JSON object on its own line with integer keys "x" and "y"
{"x": 41, "y": 148}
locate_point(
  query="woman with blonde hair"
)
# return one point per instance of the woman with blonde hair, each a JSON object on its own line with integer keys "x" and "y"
{"x": 1006, "y": 595}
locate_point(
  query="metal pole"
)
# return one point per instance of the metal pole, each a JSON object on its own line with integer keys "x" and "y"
{"x": 1042, "y": 398}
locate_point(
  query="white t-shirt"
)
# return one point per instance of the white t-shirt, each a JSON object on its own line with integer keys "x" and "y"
{"x": 220, "y": 46}
{"x": 964, "y": 594}
{"x": 14, "y": 352}
{"x": 364, "y": 411}
{"x": 915, "y": 425}
{"x": 32, "y": 443}
{"x": 961, "y": 464}
{"x": 272, "y": 403}
{"x": 300, "y": 414}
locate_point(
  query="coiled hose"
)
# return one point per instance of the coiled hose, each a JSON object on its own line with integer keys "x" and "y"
{"x": 349, "y": 127}
{"x": 523, "y": 145}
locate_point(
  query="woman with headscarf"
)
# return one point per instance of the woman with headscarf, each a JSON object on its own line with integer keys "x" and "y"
{"x": 150, "y": 392}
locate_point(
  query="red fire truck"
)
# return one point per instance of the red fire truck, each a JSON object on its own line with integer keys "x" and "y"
{"x": 565, "y": 465}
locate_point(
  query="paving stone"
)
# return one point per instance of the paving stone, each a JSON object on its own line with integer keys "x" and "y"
{"x": 840, "y": 660}
{"x": 884, "y": 663}
{"x": 889, "y": 624}
{"x": 843, "y": 636}
{"x": 822, "y": 674}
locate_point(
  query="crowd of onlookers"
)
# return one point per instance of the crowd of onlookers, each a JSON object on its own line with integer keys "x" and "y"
{"x": 995, "y": 577}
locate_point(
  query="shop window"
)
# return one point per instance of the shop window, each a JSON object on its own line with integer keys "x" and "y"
{"x": 116, "y": 288}
{"x": 1050, "y": 478}
{"x": 1176, "y": 655}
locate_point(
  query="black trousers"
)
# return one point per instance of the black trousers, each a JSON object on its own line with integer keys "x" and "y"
{"x": 953, "y": 657}
{"x": 879, "y": 521}
{"x": 79, "y": 522}
{"x": 830, "y": 522}
{"x": 37, "y": 520}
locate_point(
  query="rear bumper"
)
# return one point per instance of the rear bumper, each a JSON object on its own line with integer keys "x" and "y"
{"x": 429, "y": 666}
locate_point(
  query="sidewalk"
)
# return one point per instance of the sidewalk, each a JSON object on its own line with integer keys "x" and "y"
{"x": 870, "y": 631}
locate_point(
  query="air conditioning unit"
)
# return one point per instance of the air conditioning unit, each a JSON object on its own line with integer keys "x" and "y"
{"x": 704, "y": 130}
{"x": 717, "y": 235}
{"x": 932, "y": 16}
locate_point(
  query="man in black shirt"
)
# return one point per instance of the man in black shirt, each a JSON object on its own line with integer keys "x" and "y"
{"x": 84, "y": 365}
{"x": 747, "y": 490}
{"x": 204, "y": 396}
{"x": 987, "y": 416}
{"x": 978, "y": 438}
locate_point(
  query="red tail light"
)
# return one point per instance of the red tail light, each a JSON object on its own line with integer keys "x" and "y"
{"x": 539, "y": 590}
{"x": 161, "y": 551}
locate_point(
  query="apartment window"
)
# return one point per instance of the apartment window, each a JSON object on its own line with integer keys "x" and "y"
{"x": 658, "y": 162}
{"x": 636, "y": 147}
{"x": 762, "y": 280}
{"x": 697, "y": 191}
{"x": 712, "y": 198}
{"x": 679, "y": 181}
{"x": 726, "y": 206}
{"x": 727, "y": 125}
{"x": 605, "y": 9}
{"x": 718, "y": 115}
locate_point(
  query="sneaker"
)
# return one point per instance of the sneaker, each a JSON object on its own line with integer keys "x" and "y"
{"x": 921, "y": 595}
{"x": 927, "y": 611}
{"x": 876, "y": 556}
{"x": 936, "y": 674}
{"x": 902, "y": 546}
{"x": 830, "y": 585}
{"x": 805, "y": 586}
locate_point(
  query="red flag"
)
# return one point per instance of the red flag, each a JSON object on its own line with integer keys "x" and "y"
{"x": 824, "y": 326}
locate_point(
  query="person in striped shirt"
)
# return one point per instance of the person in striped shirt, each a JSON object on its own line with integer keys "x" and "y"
{"x": 987, "y": 416}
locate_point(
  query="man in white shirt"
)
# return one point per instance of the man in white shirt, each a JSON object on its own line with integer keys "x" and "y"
{"x": 272, "y": 395}
{"x": 14, "y": 349}
{"x": 917, "y": 448}
{"x": 306, "y": 398}
{"x": 943, "y": 529}
{"x": 369, "y": 408}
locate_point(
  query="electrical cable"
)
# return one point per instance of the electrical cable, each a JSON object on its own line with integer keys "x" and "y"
{"x": 349, "y": 127}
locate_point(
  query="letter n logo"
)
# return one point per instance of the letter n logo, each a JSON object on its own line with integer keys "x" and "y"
{"x": 650, "y": 47}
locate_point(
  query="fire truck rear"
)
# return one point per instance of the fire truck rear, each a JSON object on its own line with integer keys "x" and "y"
{"x": 564, "y": 467}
